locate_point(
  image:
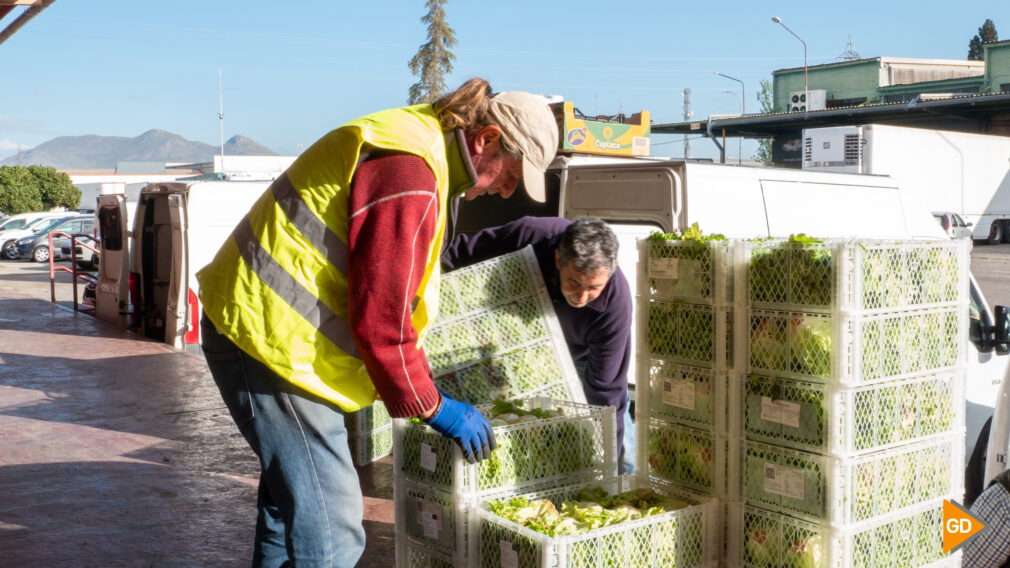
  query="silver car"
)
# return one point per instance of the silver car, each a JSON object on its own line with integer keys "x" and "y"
{"x": 953, "y": 225}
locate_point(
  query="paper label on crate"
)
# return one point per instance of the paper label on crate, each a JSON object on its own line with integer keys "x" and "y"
{"x": 429, "y": 516}
{"x": 678, "y": 392}
{"x": 780, "y": 412}
{"x": 784, "y": 481}
{"x": 429, "y": 459}
{"x": 509, "y": 557}
{"x": 664, "y": 268}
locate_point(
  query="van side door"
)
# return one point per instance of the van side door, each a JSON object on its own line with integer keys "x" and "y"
{"x": 175, "y": 301}
{"x": 113, "y": 266}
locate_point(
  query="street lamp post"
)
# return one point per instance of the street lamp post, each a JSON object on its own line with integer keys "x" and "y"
{"x": 778, "y": 21}
{"x": 739, "y": 149}
{"x": 743, "y": 107}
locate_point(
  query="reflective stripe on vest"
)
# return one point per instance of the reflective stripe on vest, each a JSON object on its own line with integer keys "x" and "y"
{"x": 318, "y": 314}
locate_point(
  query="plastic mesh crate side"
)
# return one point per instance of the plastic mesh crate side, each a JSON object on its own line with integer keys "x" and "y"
{"x": 686, "y": 270}
{"x": 367, "y": 419}
{"x": 421, "y": 557}
{"x": 690, "y": 458}
{"x": 855, "y": 274}
{"x": 887, "y": 274}
{"x": 848, "y": 491}
{"x": 855, "y": 348}
{"x": 844, "y": 421}
{"x": 497, "y": 335}
{"x": 680, "y": 538}
{"x": 368, "y": 447}
{"x": 687, "y": 395}
{"x": 580, "y": 442}
{"x": 691, "y": 334}
{"x": 766, "y": 539}
{"x": 431, "y": 520}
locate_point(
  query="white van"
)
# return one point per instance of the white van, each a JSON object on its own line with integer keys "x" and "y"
{"x": 146, "y": 279}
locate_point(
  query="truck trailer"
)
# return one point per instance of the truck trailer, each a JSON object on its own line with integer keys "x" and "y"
{"x": 951, "y": 172}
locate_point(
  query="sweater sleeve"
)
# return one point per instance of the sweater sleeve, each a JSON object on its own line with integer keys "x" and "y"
{"x": 393, "y": 211}
{"x": 465, "y": 250}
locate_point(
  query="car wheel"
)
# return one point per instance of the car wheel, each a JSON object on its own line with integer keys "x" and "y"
{"x": 10, "y": 250}
{"x": 995, "y": 233}
{"x": 41, "y": 254}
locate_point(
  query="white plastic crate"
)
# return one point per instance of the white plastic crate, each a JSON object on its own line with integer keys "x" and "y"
{"x": 764, "y": 539}
{"x": 367, "y": 419}
{"x": 497, "y": 336}
{"x": 686, "y": 270}
{"x": 847, "y": 491}
{"x": 686, "y": 457}
{"x": 366, "y": 448}
{"x": 578, "y": 445}
{"x": 832, "y": 419}
{"x": 861, "y": 275}
{"x": 421, "y": 557}
{"x": 683, "y": 394}
{"x": 691, "y": 334}
{"x": 855, "y": 348}
{"x": 429, "y": 523}
{"x": 683, "y": 538}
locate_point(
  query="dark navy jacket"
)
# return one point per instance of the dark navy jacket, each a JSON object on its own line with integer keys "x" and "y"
{"x": 598, "y": 334}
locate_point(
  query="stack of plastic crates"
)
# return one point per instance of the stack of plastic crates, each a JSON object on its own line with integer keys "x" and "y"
{"x": 434, "y": 486}
{"x": 682, "y": 537}
{"x": 370, "y": 433}
{"x": 684, "y": 359}
{"x": 852, "y": 401}
{"x": 497, "y": 336}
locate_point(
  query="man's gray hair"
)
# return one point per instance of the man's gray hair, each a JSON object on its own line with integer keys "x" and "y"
{"x": 589, "y": 245}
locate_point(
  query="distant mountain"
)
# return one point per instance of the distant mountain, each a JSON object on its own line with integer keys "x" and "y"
{"x": 103, "y": 152}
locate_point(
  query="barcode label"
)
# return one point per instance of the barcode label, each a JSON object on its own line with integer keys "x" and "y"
{"x": 639, "y": 146}
{"x": 784, "y": 481}
{"x": 679, "y": 393}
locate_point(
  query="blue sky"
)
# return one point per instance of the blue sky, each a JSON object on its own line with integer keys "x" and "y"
{"x": 294, "y": 70}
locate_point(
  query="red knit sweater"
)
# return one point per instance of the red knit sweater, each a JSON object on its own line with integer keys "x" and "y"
{"x": 393, "y": 212}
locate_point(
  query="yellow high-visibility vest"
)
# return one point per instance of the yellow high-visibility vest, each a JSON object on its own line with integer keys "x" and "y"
{"x": 278, "y": 286}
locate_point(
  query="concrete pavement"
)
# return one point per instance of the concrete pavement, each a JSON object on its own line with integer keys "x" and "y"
{"x": 117, "y": 451}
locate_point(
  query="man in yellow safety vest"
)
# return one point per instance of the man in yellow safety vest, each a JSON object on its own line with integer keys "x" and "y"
{"x": 317, "y": 303}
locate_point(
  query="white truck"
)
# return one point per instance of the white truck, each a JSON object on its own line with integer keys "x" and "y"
{"x": 951, "y": 172}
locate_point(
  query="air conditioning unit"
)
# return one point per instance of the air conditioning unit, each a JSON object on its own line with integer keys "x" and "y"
{"x": 834, "y": 149}
{"x": 802, "y": 101}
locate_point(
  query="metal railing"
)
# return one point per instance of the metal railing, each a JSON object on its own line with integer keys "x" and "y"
{"x": 85, "y": 276}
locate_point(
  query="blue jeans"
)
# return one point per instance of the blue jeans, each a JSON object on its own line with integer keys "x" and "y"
{"x": 309, "y": 503}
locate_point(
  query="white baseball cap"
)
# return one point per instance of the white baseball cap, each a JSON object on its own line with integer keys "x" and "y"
{"x": 529, "y": 125}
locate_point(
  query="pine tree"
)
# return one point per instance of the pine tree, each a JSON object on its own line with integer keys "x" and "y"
{"x": 433, "y": 60}
{"x": 764, "y": 148}
{"x": 986, "y": 34}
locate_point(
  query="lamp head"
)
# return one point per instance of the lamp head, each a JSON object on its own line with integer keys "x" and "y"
{"x": 777, "y": 20}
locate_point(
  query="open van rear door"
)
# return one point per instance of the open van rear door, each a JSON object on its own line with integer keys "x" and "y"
{"x": 175, "y": 301}
{"x": 111, "y": 292}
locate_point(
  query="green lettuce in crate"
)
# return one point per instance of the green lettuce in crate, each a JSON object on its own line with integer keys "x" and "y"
{"x": 810, "y": 346}
{"x": 811, "y": 428}
{"x": 589, "y": 509}
{"x": 796, "y": 271}
{"x": 676, "y": 454}
{"x": 695, "y": 262}
{"x": 768, "y": 544}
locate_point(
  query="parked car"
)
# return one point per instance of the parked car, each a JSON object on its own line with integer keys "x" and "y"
{"x": 36, "y": 247}
{"x": 86, "y": 257}
{"x": 10, "y": 237}
{"x": 21, "y": 220}
{"x": 953, "y": 225}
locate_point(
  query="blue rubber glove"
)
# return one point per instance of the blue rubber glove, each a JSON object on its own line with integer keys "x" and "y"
{"x": 467, "y": 427}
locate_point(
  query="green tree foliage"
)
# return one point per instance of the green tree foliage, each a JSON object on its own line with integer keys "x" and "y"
{"x": 433, "y": 60}
{"x": 986, "y": 34}
{"x": 35, "y": 188}
{"x": 765, "y": 100}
